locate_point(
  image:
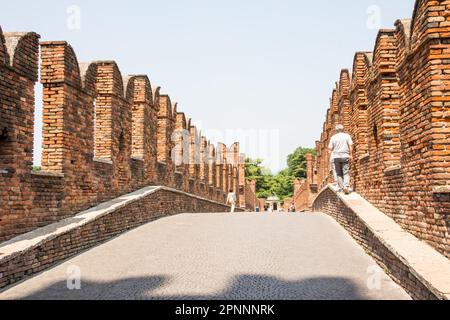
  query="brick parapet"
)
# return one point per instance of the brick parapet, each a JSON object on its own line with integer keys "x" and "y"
{"x": 104, "y": 135}
{"x": 406, "y": 259}
{"x": 399, "y": 114}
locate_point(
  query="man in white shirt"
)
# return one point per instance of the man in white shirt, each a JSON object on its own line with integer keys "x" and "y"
{"x": 341, "y": 149}
{"x": 231, "y": 200}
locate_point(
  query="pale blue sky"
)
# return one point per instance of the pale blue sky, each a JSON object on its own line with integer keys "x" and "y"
{"x": 235, "y": 64}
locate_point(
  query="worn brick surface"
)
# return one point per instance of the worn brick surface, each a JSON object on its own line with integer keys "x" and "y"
{"x": 396, "y": 105}
{"x": 250, "y": 195}
{"x": 329, "y": 203}
{"x": 18, "y": 74}
{"x": 104, "y": 135}
{"x": 304, "y": 190}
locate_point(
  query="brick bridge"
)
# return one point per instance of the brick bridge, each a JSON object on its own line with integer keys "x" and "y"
{"x": 118, "y": 155}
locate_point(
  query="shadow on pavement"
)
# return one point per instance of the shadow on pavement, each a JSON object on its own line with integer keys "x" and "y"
{"x": 242, "y": 287}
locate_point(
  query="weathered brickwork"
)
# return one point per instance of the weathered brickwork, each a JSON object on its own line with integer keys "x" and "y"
{"x": 396, "y": 105}
{"x": 302, "y": 198}
{"x": 328, "y": 202}
{"x": 144, "y": 128}
{"x": 181, "y": 150}
{"x": 104, "y": 135}
{"x": 211, "y": 151}
{"x": 18, "y": 74}
{"x": 304, "y": 190}
{"x": 194, "y": 160}
{"x": 241, "y": 181}
{"x": 250, "y": 195}
{"x": 233, "y": 157}
{"x": 220, "y": 170}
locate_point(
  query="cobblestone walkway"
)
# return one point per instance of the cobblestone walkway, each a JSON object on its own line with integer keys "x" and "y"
{"x": 220, "y": 256}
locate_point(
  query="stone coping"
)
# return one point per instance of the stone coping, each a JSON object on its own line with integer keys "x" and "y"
{"x": 28, "y": 241}
{"x": 424, "y": 262}
{"x": 393, "y": 170}
{"x": 44, "y": 173}
{"x": 441, "y": 189}
{"x": 364, "y": 157}
{"x": 105, "y": 161}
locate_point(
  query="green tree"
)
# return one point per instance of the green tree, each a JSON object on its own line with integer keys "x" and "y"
{"x": 282, "y": 184}
{"x": 297, "y": 166}
{"x": 255, "y": 171}
{"x": 268, "y": 184}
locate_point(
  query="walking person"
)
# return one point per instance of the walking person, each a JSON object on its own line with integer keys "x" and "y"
{"x": 341, "y": 152}
{"x": 231, "y": 200}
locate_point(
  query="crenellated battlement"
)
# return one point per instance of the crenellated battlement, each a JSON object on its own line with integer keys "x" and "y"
{"x": 105, "y": 134}
{"x": 398, "y": 111}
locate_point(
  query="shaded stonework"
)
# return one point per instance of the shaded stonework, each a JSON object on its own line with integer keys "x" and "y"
{"x": 377, "y": 237}
{"x": 396, "y": 105}
{"x": 104, "y": 135}
{"x": 250, "y": 195}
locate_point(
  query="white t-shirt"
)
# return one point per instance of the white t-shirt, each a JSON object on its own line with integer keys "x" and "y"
{"x": 340, "y": 145}
{"x": 232, "y": 198}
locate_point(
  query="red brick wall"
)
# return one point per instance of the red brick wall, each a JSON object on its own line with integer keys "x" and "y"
{"x": 194, "y": 160}
{"x": 250, "y": 195}
{"x": 302, "y": 195}
{"x": 241, "y": 180}
{"x": 165, "y": 143}
{"x": 233, "y": 159}
{"x": 328, "y": 202}
{"x": 220, "y": 164}
{"x": 202, "y": 174}
{"x": 304, "y": 190}
{"x": 399, "y": 117}
{"x": 144, "y": 117}
{"x": 104, "y": 135}
{"x": 18, "y": 75}
{"x": 181, "y": 149}
{"x": 211, "y": 161}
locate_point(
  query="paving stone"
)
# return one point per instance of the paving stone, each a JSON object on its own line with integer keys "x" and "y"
{"x": 221, "y": 256}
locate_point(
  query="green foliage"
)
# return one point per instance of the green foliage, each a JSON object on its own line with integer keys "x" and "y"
{"x": 281, "y": 184}
{"x": 37, "y": 169}
{"x": 297, "y": 162}
{"x": 254, "y": 171}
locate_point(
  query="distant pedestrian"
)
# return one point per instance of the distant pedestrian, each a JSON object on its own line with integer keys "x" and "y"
{"x": 341, "y": 152}
{"x": 292, "y": 208}
{"x": 231, "y": 200}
